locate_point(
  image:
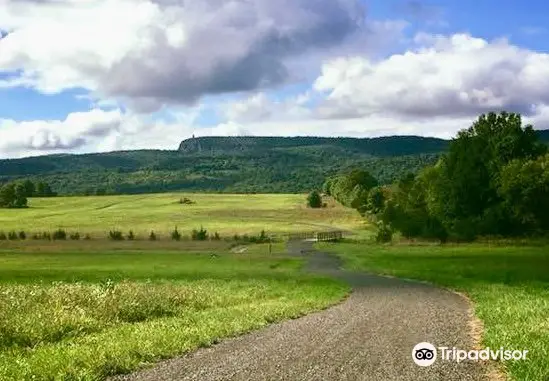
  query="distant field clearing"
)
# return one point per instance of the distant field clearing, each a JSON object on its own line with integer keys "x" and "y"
{"x": 225, "y": 213}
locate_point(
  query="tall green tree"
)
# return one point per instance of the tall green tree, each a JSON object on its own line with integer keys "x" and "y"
{"x": 470, "y": 172}
{"x": 30, "y": 188}
{"x": 13, "y": 196}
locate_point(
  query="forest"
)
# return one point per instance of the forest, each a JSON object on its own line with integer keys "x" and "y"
{"x": 230, "y": 165}
{"x": 492, "y": 181}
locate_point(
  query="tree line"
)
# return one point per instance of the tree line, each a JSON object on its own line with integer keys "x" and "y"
{"x": 16, "y": 194}
{"x": 493, "y": 181}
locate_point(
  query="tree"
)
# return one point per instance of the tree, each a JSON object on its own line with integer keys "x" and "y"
{"x": 20, "y": 199}
{"x": 43, "y": 189}
{"x": 314, "y": 200}
{"x": 376, "y": 200}
{"x": 524, "y": 187}
{"x": 466, "y": 196}
{"x": 13, "y": 196}
{"x": 30, "y": 188}
{"x": 7, "y": 195}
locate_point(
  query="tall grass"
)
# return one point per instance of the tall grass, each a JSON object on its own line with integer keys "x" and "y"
{"x": 90, "y": 315}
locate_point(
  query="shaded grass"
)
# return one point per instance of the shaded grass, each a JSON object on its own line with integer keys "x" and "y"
{"x": 508, "y": 285}
{"x": 85, "y": 316}
{"x": 225, "y": 213}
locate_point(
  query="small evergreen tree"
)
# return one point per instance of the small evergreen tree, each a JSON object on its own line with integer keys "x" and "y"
{"x": 59, "y": 235}
{"x": 176, "y": 236}
{"x": 116, "y": 235}
{"x": 314, "y": 200}
{"x": 199, "y": 235}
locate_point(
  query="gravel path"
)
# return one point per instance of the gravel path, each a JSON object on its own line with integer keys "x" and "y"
{"x": 369, "y": 336}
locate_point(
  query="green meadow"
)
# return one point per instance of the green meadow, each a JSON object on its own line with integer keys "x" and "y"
{"x": 86, "y": 315}
{"x": 225, "y": 213}
{"x": 509, "y": 286}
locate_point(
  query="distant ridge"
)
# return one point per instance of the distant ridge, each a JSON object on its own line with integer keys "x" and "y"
{"x": 382, "y": 146}
{"x": 230, "y": 164}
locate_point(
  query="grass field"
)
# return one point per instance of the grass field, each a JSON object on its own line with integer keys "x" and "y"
{"x": 225, "y": 213}
{"x": 509, "y": 286}
{"x": 87, "y": 315}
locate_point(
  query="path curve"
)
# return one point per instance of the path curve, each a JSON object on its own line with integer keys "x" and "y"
{"x": 369, "y": 336}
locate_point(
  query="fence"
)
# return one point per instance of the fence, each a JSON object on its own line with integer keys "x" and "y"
{"x": 317, "y": 236}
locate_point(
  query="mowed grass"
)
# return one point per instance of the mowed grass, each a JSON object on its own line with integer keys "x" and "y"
{"x": 77, "y": 315}
{"x": 227, "y": 214}
{"x": 508, "y": 285}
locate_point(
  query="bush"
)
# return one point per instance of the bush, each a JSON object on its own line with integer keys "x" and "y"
{"x": 59, "y": 235}
{"x": 3, "y": 236}
{"x": 131, "y": 236}
{"x": 199, "y": 235}
{"x": 236, "y": 237}
{"x": 176, "y": 236}
{"x": 46, "y": 236}
{"x": 87, "y": 237}
{"x": 152, "y": 236}
{"x": 75, "y": 236}
{"x": 314, "y": 200}
{"x": 116, "y": 235}
{"x": 216, "y": 237}
{"x": 261, "y": 238}
{"x": 12, "y": 236}
{"x": 384, "y": 233}
{"x": 22, "y": 235}
{"x": 186, "y": 201}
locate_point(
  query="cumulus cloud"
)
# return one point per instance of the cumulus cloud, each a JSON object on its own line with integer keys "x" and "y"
{"x": 449, "y": 76}
{"x": 155, "y": 52}
{"x": 99, "y": 130}
{"x": 73, "y": 133}
{"x": 261, "y": 106}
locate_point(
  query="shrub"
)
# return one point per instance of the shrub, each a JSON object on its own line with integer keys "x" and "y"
{"x": 47, "y": 236}
{"x": 152, "y": 236}
{"x": 236, "y": 237}
{"x": 59, "y": 235}
{"x": 314, "y": 200}
{"x": 384, "y": 233}
{"x": 199, "y": 235}
{"x": 75, "y": 236}
{"x": 176, "y": 236}
{"x": 22, "y": 235}
{"x": 116, "y": 235}
{"x": 87, "y": 237}
{"x": 261, "y": 238}
{"x": 216, "y": 237}
{"x": 3, "y": 236}
{"x": 186, "y": 201}
{"x": 12, "y": 236}
{"x": 131, "y": 236}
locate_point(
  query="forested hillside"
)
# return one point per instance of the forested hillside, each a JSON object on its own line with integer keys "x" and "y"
{"x": 228, "y": 164}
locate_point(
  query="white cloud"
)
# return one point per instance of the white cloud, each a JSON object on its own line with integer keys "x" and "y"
{"x": 446, "y": 76}
{"x": 261, "y": 106}
{"x": 155, "y": 52}
{"x": 94, "y": 131}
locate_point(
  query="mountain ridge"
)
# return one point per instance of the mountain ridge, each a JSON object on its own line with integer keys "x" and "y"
{"x": 229, "y": 164}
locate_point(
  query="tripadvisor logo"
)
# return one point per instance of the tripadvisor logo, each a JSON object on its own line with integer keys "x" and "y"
{"x": 425, "y": 354}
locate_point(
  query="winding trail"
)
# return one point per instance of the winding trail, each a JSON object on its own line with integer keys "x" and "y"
{"x": 369, "y": 336}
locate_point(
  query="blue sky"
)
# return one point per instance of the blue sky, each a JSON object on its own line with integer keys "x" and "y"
{"x": 64, "y": 89}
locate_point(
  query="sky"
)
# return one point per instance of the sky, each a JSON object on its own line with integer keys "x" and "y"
{"x": 80, "y": 76}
